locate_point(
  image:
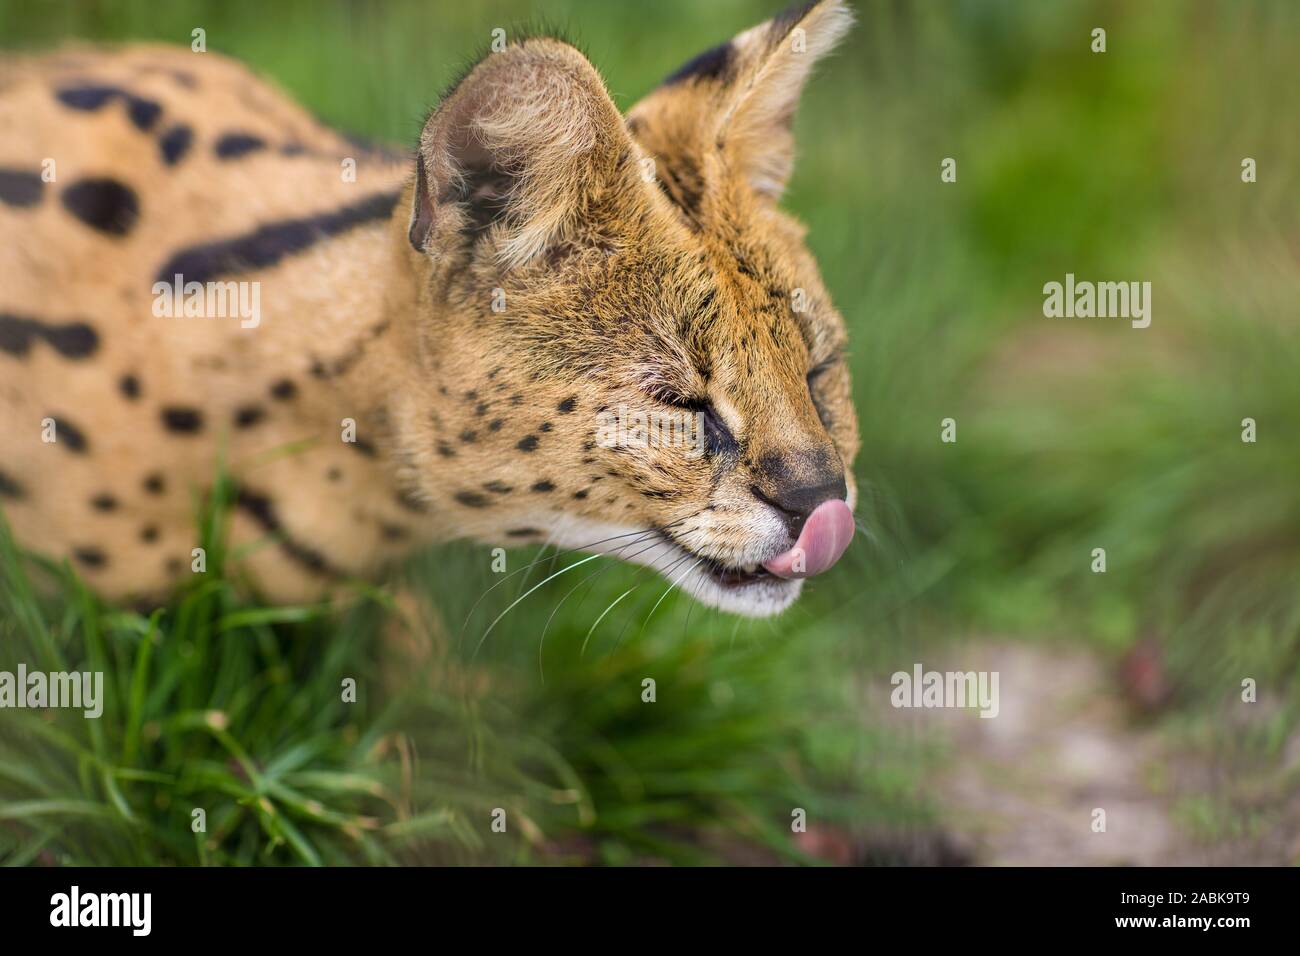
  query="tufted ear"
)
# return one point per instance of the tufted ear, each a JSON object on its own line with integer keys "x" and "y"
{"x": 517, "y": 151}
{"x": 738, "y": 100}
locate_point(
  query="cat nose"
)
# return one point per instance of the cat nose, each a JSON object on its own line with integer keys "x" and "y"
{"x": 796, "y": 485}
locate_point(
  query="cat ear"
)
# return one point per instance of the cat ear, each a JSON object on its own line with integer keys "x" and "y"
{"x": 738, "y": 99}
{"x": 517, "y": 150}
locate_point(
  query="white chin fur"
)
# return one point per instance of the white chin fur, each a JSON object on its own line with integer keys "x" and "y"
{"x": 762, "y": 598}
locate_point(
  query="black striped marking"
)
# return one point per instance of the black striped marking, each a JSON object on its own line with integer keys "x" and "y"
{"x": 74, "y": 340}
{"x": 269, "y": 244}
{"x": 234, "y": 145}
{"x": 261, "y": 509}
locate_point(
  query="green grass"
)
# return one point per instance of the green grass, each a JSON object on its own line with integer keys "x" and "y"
{"x": 239, "y": 711}
{"x": 1072, "y": 435}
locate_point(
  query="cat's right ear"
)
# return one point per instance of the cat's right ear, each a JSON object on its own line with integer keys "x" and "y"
{"x": 516, "y": 151}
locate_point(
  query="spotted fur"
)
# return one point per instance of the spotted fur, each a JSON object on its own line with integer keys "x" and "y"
{"x": 473, "y": 307}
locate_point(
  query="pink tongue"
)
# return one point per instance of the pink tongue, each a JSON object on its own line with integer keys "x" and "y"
{"x": 824, "y": 537}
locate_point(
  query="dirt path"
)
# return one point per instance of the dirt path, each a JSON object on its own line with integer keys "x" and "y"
{"x": 1021, "y": 788}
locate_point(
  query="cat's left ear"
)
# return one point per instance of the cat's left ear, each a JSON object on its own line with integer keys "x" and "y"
{"x": 738, "y": 99}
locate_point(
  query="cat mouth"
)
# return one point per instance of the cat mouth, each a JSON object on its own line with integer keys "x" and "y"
{"x": 748, "y": 589}
{"x": 823, "y": 538}
{"x": 726, "y": 576}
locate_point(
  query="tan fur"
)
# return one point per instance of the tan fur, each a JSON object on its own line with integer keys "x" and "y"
{"x": 617, "y": 291}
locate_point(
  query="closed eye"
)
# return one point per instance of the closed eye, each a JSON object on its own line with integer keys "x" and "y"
{"x": 718, "y": 439}
{"x": 815, "y": 373}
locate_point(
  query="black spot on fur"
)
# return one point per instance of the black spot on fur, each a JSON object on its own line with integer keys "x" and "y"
{"x": 72, "y": 340}
{"x": 544, "y": 427}
{"x": 130, "y": 386}
{"x": 498, "y": 488}
{"x": 103, "y": 502}
{"x": 284, "y": 390}
{"x": 333, "y": 474}
{"x": 268, "y": 244}
{"x": 709, "y": 65}
{"x": 19, "y": 187}
{"x": 495, "y": 424}
{"x": 523, "y": 533}
{"x": 393, "y": 532}
{"x": 10, "y": 488}
{"x": 155, "y": 484}
{"x": 234, "y": 145}
{"x": 249, "y": 415}
{"x": 469, "y": 436}
{"x": 408, "y": 502}
{"x": 481, "y": 409}
{"x": 87, "y": 98}
{"x": 261, "y": 509}
{"x": 445, "y": 450}
{"x": 90, "y": 557}
{"x": 69, "y": 435}
{"x": 363, "y": 447}
{"x": 175, "y": 143}
{"x": 527, "y": 443}
{"x": 143, "y": 113}
{"x": 471, "y": 499}
{"x": 103, "y": 204}
{"x": 568, "y": 405}
{"x": 183, "y": 421}
{"x": 544, "y": 486}
{"x": 149, "y": 534}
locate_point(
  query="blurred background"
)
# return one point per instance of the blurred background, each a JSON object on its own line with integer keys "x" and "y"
{"x": 1120, "y": 691}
